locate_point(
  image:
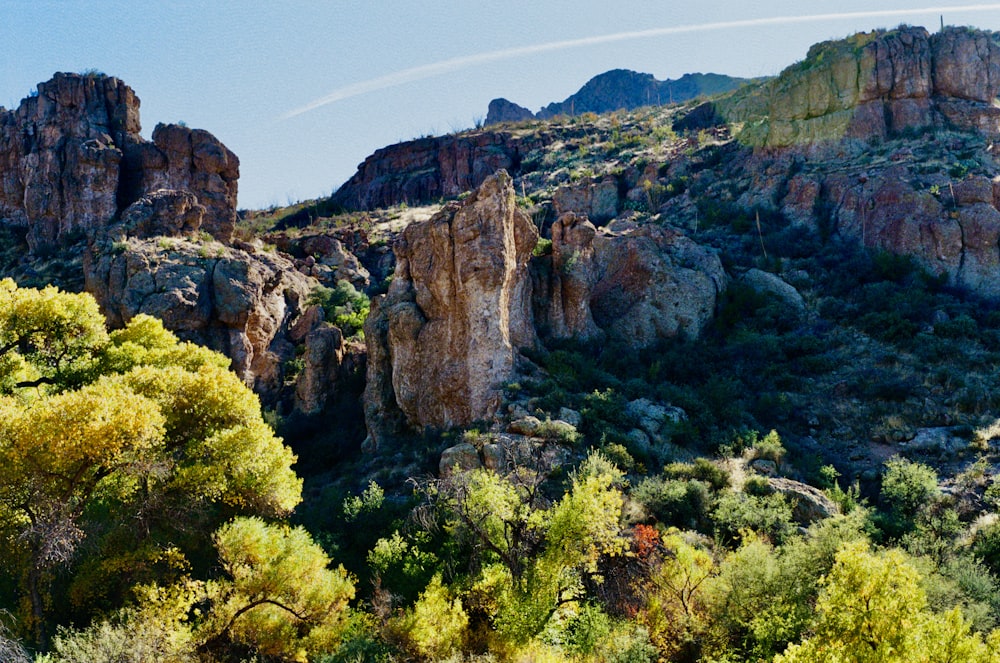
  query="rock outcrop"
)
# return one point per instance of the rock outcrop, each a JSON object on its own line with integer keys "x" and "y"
{"x": 72, "y": 159}
{"x": 427, "y": 169}
{"x": 502, "y": 110}
{"x": 636, "y": 287}
{"x": 448, "y": 331}
{"x": 239, "y": 303}
{"x": 193, "y": 160}
{"x": 875, "y": 84}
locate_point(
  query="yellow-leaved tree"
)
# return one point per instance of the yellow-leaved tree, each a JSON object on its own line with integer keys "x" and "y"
{"x": 131, "y": 445}
{"x": 873, "y": 610}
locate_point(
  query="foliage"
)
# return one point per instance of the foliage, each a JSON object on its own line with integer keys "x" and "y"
{"x": 277, "y": 596}
{"x": 872, "y": 608}
{"x": 343, "y": 305}
{"x": 131, "y": 445}
{"x": 435, "y": 626}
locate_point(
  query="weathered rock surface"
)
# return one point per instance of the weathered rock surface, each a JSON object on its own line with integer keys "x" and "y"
{"x": 888, "y": 212}
{"x": 502, "y": 110}
{"x": 808, "y": 504}
{"x": 327, "y": 360}
{"x": 194, "y": 160}
{"x": 449, "y": 329}
{"x": 774, "y": 285}
{"x": 239, "y": 303}
{"x": 503, "y": 454}
{"x": 598, "y": 201}
{"x": 875, "y": 84}
{"x": 428, "y": 169}
{"x": 636, "y": 287}
{"x": 72, "y": 159}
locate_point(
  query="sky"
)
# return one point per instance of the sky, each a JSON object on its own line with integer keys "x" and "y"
{"x": 303, "y": 91}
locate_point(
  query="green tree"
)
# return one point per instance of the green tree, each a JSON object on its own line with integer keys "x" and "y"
{"x": 47, "y": 337}
{"x": 907, "y": 487}
{"x": 533, "y": 557}
{"x": 278, "y": 595}
{"x": 131, "y": 444}
{"x": 873, "y": 609}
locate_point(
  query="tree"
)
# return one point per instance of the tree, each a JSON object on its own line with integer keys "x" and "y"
{"x": 533, "y": 556}
{"x": 907, "y": 487}
{"x": 132, "y": 443}
{"x": 47, "y": 337}
{"x": 276, "y": 599}
{"x": 873, "y": 609}
{"x": 278, "y": 595}
{"x": 675, "y": 611}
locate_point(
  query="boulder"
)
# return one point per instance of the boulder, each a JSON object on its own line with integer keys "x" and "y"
{"x": 808, "y": 504}
{"x": 449, "y": 329}
{"x": 773, "y": 284}
{"x": 636, "y": 287}
{"x": 598, "y": 201}
{"x": 459, "y": 458}
{"x": 165, "y": 212}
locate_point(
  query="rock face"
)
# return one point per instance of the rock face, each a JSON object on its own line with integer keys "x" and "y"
{"x": 239, "y": 303}
{"x": 194, "y": 160}
{"x": 72, "y": 159}
{"x": 875, "y": 84}
{"x": 449, "y": 329}
{"x": 428, "y": 169}
{"x": 501, "y": 110}
{"x": 635, "y": 287}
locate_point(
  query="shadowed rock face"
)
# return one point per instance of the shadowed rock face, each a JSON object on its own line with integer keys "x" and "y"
{"x": 445, "y": 338}
{"x": 875, "y": 84}
{"x": 428, "y": 169}
{"x": 634, "y": 287}
{"x": 72, "y": 159}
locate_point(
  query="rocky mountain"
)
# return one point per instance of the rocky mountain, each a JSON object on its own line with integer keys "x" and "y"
{"x": 618, "y": 89}
{"x": 628, "y": 230}
{"x": 154, "y": 223}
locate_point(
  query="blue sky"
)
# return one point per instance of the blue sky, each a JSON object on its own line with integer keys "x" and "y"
{"x": 241, "y": 69}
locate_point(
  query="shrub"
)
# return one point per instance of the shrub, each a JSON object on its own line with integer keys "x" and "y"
{"x": 435, "y": 626}
{"x": 343, "y": 305}
{"x": 770, "y": 516}
{"x": 675, "y": 502}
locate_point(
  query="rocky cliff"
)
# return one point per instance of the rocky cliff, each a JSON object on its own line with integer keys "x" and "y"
{"x": 72, "y": 159}
{"x": 467, "y": 296}
{"x": 875, "y": 84}
{"x": 429, "y": 169}
{"x": 446, "y": 337}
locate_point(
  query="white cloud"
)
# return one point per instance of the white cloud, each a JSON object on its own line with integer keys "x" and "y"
{"x": 454, "y": 64}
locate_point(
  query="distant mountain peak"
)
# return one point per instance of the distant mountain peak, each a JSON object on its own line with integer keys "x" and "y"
{"x": 619, "y": 89}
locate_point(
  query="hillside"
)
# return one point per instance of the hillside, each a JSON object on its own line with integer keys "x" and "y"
{"x": 688, "y": 381}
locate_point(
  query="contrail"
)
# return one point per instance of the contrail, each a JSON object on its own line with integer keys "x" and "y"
{"x": 454, "y": 64}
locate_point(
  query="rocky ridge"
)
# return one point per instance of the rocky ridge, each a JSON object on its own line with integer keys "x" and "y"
{"x": 618, "y": 89}
{"x": 873, "y": 85}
